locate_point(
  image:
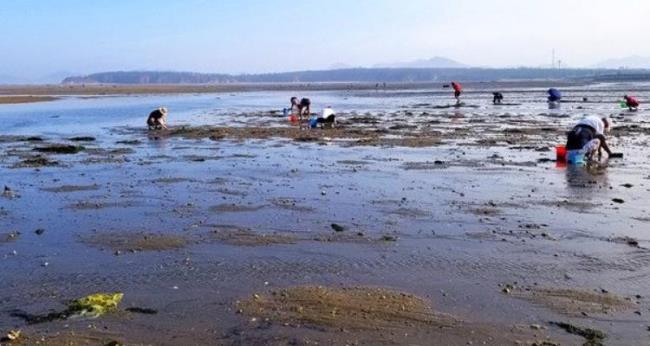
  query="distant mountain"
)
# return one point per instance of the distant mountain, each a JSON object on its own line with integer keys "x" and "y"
{"x": 435, "y": 62}
{"x": 630, "y": 62}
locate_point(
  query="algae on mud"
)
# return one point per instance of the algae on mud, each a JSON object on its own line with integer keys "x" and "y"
{"x": 350, "y": 308}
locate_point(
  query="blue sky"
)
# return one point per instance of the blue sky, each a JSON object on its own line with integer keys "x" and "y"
{"x": 233, "y": 36}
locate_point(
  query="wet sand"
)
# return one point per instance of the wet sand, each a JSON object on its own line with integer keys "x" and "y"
{"x": 414, "y": 225}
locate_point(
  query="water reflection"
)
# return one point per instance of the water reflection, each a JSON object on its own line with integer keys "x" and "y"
{"x": 590, "y": 177}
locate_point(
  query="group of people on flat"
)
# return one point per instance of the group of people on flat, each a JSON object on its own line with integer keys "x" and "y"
{"x": 554, "y": 97}
{"x": 585, "y": 140}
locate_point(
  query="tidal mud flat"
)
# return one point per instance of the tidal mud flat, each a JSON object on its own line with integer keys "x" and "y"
{"x": 411, "y": 223}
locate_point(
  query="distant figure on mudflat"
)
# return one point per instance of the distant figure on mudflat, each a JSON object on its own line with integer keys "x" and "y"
{"x": 631, "y": 102}
{"x": 302, "y": 108}
{"x": 157, "y": 119}
{"x": 587, "y": 138}
{"x": 554, "y": 95}
{"x": 497, "y": 98}
{"x": 458, "y": 90}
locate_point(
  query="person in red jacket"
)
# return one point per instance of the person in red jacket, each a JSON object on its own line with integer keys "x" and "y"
{"x": 631, "y": 102}
{"x": 458, "y": 89}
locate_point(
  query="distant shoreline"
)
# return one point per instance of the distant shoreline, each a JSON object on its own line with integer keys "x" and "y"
{"x": 4, "y": 100}
{"x": 27, "y": 91}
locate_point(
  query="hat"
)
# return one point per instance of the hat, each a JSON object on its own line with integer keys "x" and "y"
{"x": 163, "y": 110}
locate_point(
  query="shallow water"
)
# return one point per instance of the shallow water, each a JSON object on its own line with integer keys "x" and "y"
{"x": 462, "y": 227}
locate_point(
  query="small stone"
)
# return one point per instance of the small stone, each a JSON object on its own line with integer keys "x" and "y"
{"x": 337, "y": 228}
{"x": 618, "y": 200}
{"x": 45, "y": 264}
{"x": 39, "y": 231}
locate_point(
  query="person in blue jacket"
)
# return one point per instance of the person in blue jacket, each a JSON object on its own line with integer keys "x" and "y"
{"x": 554, "y": 95}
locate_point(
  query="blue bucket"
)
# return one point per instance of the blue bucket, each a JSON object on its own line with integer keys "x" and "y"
{"x": 575, "y": 158}
{"x": 313, "y": 122}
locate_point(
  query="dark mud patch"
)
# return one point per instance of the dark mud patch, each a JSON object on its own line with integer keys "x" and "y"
{"x": 69, "y": 338}
{"x": 14, "y": 139}
{"x": 136, "y": 241}
{"x": 625, "y": 240}
{"x": 82, "y": 139}
{"x": 129, "y": 142}
{"x": 71, "y": 188}
{"x": 60, "y": 149}
{"x": 291, "y": 204}
{"x": 97, "y": 205}
{"x": 575, "y": 302}
{"x": 408, "y": 212}
{"x": 172, "y": 180}
{"x": 231, "y": 192}
{"x": 9, "y": 237}
{"x": 35, "y": 162}
{"x": 345, "y": 308}
{"x": 246, "y": 237}
{"x": 593, "y": 337}
{"x": 110, "y": 152}
{"x": 234, "y": 208}
{"x": 353, "y": 162}
{"x": 581, "y": 206}
{"x": 352, "y": 135}
{"x": 485, "y": 211}
{"x": 428, "y": 165}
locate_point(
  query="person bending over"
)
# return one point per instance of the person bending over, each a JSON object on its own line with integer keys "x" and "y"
{"x": 302, "y": 108}
{"x": 458, "y": 90}
{"x": 497, "y": 98}
{"x": 554, "y": 95}
{"x": 327, "y": 118}
{"x": 157, "y": 119}
{"x": 631, "y": 102}
{"x": 588, "y": 137}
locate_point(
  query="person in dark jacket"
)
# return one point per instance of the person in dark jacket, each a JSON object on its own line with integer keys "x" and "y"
{"x": 554, "y": 95}
{"x": 497, "y": 98}
{"x": 157, "y": 119}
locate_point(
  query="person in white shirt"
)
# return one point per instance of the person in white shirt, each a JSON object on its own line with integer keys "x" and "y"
{"x": 328, "y": 117}
{"x": 588, "y": 137}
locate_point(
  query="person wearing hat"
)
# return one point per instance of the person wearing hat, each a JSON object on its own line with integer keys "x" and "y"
{"x": 157, "y": 119}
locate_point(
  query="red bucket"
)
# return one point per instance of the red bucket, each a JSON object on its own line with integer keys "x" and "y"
{"x": 293, "y": 118}
{"x": 560, "y": 152}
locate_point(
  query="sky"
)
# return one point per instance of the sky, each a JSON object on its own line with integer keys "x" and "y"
{"x": 42, "y": 37}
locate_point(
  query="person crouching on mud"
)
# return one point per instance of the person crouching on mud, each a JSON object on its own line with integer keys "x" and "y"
{"x": 157, "y": 119}
{"x": 303, "y": 108}
{"x": 588, "y": 137}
